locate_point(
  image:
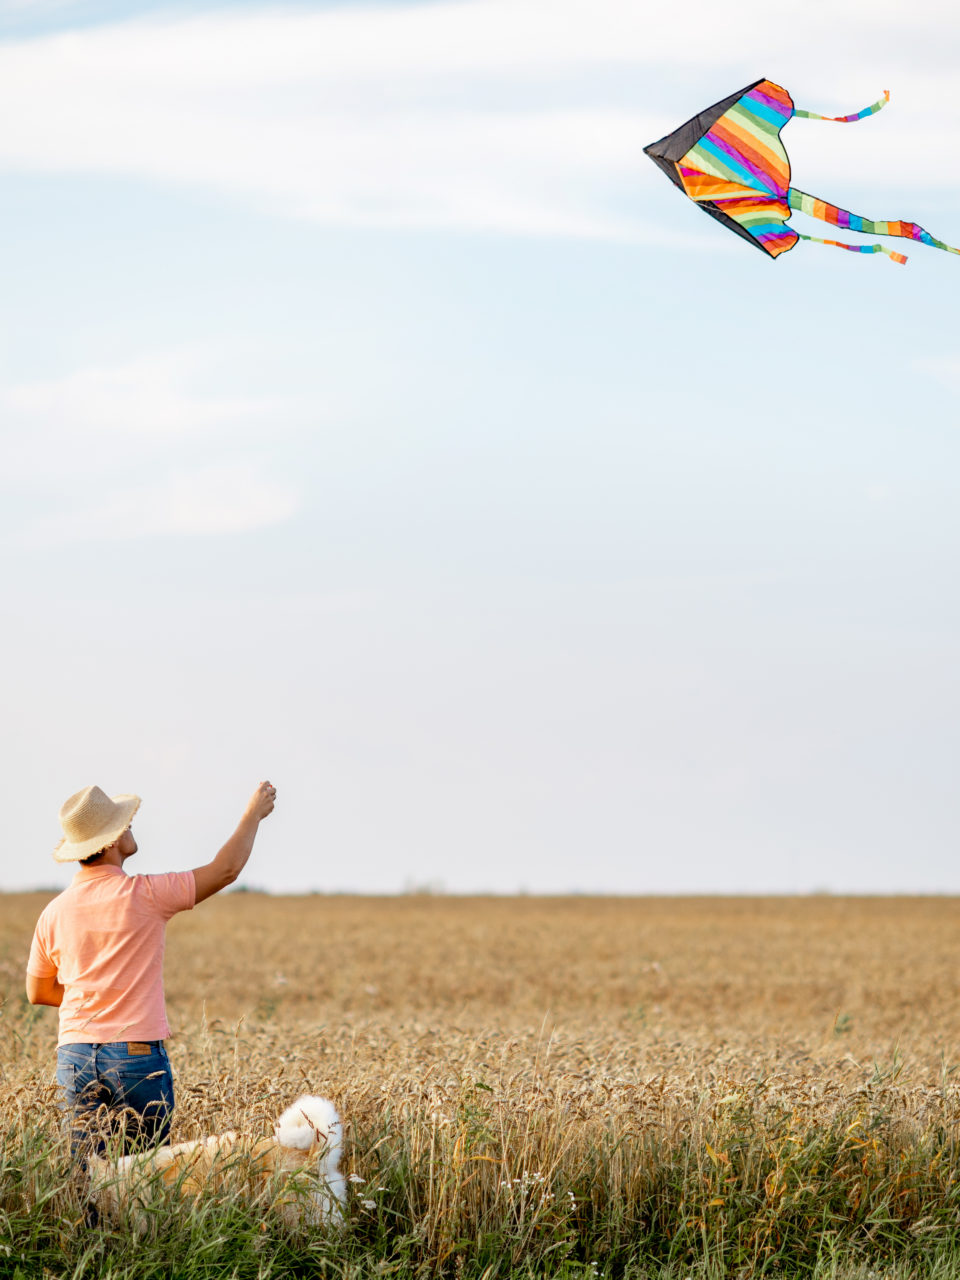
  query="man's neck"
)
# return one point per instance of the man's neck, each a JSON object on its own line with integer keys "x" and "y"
{"x": 112, "y": 857}
{"x": 97, "y": 869}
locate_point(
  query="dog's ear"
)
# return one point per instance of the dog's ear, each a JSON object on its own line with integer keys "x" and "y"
{"x": 99, "y": 1169}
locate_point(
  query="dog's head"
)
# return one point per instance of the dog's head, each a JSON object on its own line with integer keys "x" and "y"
{"x": 312, "y": 1126}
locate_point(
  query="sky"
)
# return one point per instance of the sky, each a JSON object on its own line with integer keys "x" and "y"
{"x": 378, "y": 420}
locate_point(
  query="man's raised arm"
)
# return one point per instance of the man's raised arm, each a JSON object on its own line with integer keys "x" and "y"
{"x": 232, "y": 858}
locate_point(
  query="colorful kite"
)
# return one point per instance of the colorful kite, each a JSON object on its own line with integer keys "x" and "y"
{"x": 729, "y": 159}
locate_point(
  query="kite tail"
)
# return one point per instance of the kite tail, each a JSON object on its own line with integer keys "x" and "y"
{"x": 857, "y": 248}
{"x": 853, "y": 222}
{"x": 860, "y": 115}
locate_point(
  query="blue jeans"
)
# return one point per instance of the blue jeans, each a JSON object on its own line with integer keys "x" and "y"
{"x": 122, "y": 1090}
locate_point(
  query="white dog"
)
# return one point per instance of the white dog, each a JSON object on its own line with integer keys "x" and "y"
{"x": 296, "y": 1171}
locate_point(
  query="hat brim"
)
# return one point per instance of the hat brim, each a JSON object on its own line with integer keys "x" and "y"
{"x": 127, "y": 806}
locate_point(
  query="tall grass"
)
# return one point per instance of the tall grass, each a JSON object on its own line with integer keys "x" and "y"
{"x": 514, "y": 1176}
{"x": 682, "y": 1111}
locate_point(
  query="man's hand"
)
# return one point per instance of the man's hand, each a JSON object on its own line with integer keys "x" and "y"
{"x": 232, "y": 858}
{"x": 262, "y": 801}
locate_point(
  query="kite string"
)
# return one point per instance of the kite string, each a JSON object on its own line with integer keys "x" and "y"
{"x": 860, "y": 115}
{"x": 837, "y": 217}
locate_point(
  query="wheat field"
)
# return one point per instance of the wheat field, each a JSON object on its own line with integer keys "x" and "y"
{"x": 574, "y": 1082}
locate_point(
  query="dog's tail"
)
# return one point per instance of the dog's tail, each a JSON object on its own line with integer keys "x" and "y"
{"x": 308, "y": 1121}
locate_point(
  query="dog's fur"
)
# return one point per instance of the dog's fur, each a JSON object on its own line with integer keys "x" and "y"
{"x": 296, "y": 1171}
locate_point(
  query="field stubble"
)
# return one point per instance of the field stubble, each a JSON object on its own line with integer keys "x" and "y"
{"x": 739, "y": 1083}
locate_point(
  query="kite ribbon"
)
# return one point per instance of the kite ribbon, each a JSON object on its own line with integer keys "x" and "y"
{"x": 860, "y": 115}
{"x": 815, "y": 208}
{"x": 857, "y": 248}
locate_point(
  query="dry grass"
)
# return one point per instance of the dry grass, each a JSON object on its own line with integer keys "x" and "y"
{"x": 547, "y": 1065}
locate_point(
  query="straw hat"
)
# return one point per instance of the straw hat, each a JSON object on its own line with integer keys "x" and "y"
{"x": 91, "y": 821}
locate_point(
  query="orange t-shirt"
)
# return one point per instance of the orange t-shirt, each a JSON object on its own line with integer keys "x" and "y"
{"x": 103, "y": 940}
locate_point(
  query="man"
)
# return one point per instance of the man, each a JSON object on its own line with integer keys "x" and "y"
{"x": 97, "y": 955}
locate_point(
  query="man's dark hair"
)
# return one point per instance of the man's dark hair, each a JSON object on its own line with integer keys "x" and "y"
{"x": 93, "y": 859}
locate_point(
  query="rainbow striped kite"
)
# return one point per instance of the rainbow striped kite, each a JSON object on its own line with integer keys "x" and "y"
{"x": 729, "y": 159}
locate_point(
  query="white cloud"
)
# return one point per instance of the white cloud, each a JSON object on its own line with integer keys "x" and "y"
{"x": 224, "y": 498}
{"x": 20, "y": 8}
{"x": 484, "y": 114}
{"x": 122, "y": 415}
{"x": 283, "y": 46}
{"x": 943, "y": 369}
{"x": 151, "y": 394}
{"x": 81, "y": 442}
